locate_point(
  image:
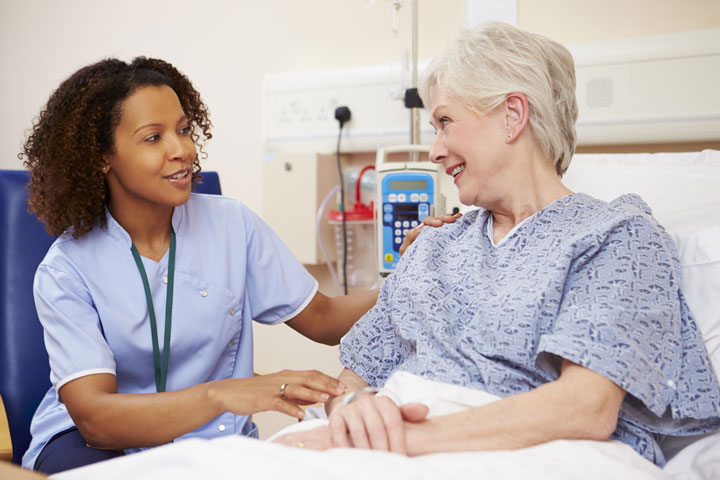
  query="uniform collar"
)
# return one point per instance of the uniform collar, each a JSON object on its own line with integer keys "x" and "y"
{"x": 120, "y": 235}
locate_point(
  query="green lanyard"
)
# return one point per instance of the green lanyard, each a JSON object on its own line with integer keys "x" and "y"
{"x": 161, "y": 371}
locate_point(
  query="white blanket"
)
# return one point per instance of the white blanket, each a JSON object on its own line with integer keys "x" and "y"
{"x": 235, "y": 457}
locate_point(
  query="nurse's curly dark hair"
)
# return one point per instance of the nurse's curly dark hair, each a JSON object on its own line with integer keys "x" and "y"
{"x": 70, "y": 140}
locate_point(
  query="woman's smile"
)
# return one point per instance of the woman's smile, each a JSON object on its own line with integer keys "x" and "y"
{"x": 181, "y": 178}
{"x": 456, "y": 171}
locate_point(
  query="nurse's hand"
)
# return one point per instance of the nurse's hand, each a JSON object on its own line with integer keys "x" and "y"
{"x": 433, "y": 222}
{"x": 374, "y": 422}
{"x": 282, "y": 391}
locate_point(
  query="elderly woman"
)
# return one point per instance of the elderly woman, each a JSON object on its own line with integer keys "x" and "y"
{"x": 565, "y": 307}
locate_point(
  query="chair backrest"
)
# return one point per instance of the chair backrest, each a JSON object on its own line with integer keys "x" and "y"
{"x": 210, "y": 184}
{"x": 24, "y": 366}
{"x": 24, "y": 369}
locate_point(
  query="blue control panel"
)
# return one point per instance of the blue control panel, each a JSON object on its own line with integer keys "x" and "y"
{"x": 406, "y": 198}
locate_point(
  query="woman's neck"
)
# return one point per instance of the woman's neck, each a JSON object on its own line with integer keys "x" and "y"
{"x": 149, "y": 230}
{"x": 534, "y": 186}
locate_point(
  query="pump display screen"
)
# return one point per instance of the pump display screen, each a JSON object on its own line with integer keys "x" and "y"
{"x": 408, "y": 185}
{"x": 406, "y": 208}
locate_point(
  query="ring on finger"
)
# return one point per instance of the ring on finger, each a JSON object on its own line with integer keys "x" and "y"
{"x": 282, "y": 391}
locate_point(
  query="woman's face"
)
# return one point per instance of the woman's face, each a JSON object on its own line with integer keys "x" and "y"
{"x": 154, "y": 152}
{"x": 469, "y": 147}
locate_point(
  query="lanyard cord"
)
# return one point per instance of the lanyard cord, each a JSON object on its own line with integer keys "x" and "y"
{"x": 161, "y": 370}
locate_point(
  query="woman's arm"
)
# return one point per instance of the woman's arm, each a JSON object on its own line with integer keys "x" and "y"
{"x": 581, "y": 404}
{"x": 117, "y": 421}
{"x": 327, "y": 319}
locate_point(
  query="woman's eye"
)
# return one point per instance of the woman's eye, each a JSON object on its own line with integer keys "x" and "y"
{"x": 186, "y": 130}
{"x": 152, "y": 138}
{"x": 444, "y": 120}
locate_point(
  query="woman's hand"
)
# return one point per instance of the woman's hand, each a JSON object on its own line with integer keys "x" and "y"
{"x": 373, "y": 422}
{"x": 433, "y": 222}
{"x": 245, "y": 396}
{"x": 315, "y": 439}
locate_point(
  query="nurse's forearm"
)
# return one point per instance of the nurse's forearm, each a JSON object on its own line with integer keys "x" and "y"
{"x": 327, "y": 319}
{"x": 118, "y": 421}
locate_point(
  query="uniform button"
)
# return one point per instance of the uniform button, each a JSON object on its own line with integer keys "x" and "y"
{"x": 164, "y": 279}
{"x": 203, "y": 293}
{"x": 671, "y": 384}
{"x": 221, "y": 428}
{"x": 232, "y": 311}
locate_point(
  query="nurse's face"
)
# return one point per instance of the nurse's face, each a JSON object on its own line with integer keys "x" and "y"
{"x": 151, "y": 166}
{"x": 469, "y": 147}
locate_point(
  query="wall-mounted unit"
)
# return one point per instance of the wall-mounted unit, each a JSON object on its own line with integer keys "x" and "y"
{"x": 653, "y": 89}
{"x": 657, "y": 89}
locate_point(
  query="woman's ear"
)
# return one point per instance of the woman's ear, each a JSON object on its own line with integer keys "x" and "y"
{"x": 516, "y": 115}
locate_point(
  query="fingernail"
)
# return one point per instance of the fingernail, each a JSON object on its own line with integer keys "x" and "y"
{"x": 301, "y": 414}
{"x": 324, "y": 397}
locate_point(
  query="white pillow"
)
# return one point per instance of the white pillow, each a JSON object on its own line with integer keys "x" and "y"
{"x": 700, "y": 266}
{"x": 683, "y": 189}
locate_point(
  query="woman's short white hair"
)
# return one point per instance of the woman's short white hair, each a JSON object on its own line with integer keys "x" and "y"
{"x": 484, "y": 64}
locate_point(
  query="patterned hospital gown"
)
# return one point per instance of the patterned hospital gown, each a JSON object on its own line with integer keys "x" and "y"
{"x": 591, "y": 282}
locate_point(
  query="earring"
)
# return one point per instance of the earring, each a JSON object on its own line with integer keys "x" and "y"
{"x": 510, "y": 135}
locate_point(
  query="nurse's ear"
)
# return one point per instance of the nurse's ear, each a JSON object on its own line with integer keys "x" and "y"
{"x": 106, "y": 165}
{"x": 517, "y": 112}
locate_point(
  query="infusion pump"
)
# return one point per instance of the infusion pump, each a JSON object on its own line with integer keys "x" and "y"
{"x": 407, "y": 192}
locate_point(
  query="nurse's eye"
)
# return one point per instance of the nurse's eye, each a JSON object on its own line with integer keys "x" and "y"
{"x": 187, "y": 130}
{"x": 152, "y": 138}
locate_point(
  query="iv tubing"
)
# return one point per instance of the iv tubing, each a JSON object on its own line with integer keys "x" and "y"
{"x": 318, "y": 223}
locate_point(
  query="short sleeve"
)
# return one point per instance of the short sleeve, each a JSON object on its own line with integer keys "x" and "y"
{"x": 372, "y": 348}
{"x": 278, "y": 286}
{"x": 73, "y": 332}
{"x": 622, "y": 315}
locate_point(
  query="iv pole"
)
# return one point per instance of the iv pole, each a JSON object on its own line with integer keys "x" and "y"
{"x": 412, "y": 99}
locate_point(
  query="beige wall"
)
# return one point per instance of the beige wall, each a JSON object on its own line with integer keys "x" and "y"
{"x": 575, "y": 21}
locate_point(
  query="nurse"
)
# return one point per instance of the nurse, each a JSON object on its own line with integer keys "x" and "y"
{"x": 147, "y": 296}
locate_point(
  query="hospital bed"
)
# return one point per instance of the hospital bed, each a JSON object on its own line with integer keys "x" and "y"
{"x": 684, "y": 192}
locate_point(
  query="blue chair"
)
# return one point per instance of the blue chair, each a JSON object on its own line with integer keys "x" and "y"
{"x": 24, "y": 367}
{"x": 210, "y": 184}
{"x": 25, "y": 373}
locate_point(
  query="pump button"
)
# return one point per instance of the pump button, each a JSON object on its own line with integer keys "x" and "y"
{"x": 387, "y": 208}
{"x": 388, "y": 257}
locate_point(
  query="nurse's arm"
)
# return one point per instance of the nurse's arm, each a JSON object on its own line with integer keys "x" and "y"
{"x": 327, "y": 319}
{"x": 118, "y": 421}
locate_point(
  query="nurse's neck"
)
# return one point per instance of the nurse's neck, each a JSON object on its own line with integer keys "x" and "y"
{"x": 149, "y": 229}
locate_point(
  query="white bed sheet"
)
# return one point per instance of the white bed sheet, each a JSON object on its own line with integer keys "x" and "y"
{"x": 234, "y": 457}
